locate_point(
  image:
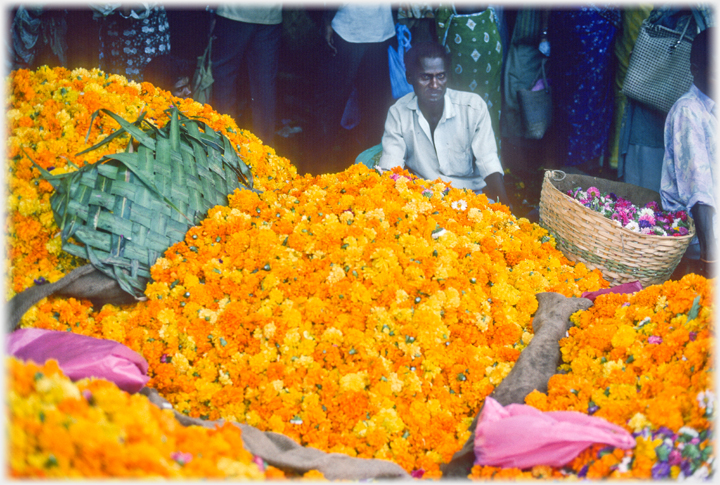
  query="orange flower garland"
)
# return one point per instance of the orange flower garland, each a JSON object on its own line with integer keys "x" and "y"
{"x": 48, "y": 117}
{"x": 92, "y": 429}
{"x": 641, "y": 361}
{"x": 346, "y": 311}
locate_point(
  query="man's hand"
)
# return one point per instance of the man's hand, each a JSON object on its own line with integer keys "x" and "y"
{"x": 703, "y": 217}
{"x": 495, "y": 189}
{"x": 329, "y": 37}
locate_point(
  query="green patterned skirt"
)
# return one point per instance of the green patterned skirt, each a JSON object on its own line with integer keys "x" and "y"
{"x": 474, "y": 43}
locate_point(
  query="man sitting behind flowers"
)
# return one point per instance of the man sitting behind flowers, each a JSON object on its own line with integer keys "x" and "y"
{"x": 437, "y": 132}
{"x": 689, "y": 172}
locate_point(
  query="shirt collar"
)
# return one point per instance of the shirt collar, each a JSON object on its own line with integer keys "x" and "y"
{"x": 448, "y": 111}
{"x": 706, "y": 101}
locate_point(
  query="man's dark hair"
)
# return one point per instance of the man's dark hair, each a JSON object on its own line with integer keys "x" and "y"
{"x": 424, "y": 50}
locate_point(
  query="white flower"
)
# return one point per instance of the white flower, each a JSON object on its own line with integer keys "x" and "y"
{"x": 459, "y": 205}
{"x": 706, "y": 400}
{"x": 633, "y": 226}
{"x": 687, "y": 430}
{"x": 624, "y": 465}
{"x": 647, "y": 211}
{"x": 437, "y": 234}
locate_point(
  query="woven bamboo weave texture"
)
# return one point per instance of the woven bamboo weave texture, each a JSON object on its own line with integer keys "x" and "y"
{"x": 125, "y": 211}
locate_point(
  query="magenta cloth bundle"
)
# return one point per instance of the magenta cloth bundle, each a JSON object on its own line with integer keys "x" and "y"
{"x": 80, "y": 356}
{"x": 631, "y": 287}
{"x": 520, "y": 436}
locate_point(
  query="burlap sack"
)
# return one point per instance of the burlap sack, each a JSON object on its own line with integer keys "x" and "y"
{"x": 84, "y": 282}
{"x": 282, "y": 452}
{"x": 533, "y": 369}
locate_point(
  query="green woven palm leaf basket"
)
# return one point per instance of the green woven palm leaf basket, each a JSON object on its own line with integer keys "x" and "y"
{"x": 124, "y": 211}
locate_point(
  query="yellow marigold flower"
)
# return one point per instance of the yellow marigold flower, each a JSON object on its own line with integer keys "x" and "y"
{"x": 354, "y": 381}
{"x": 624, "y": 337}
{"x": 610, "y": 366}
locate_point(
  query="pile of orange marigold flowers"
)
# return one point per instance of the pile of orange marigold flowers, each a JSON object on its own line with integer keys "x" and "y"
{"x": 644, "y": 362}
{"x": 91, "y": 429}
{"x": 357, "y": 313}
{"x": 48, "y": 115}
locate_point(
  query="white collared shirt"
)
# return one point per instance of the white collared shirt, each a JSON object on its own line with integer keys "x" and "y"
{"x": 463, "y": 151}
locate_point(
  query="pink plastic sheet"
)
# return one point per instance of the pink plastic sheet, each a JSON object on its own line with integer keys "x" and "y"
{"x": 80, "y": 356}
{"x": 631, "y": 287}
{"x": 520, "y": 436}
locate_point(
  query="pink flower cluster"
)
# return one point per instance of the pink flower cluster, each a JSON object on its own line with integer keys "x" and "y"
{"x": 650, "y": 219}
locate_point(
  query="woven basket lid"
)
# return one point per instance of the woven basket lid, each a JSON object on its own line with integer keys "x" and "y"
{"x": 127, "y": 209}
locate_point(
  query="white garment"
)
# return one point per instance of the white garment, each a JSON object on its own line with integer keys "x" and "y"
{"x": 267, "y": 14}
{"x": 359, "y": 23}
{"x": 463, "y": 151}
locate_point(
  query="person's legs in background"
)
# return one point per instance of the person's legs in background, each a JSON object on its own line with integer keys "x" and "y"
{"x": 334, "y": 90}
{"x": 374, "y": 95}
{"x": 262, "y": 61}
{"x": 228, "y": 49}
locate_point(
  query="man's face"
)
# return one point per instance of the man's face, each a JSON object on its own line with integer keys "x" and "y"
{"x": 430, "y": 81}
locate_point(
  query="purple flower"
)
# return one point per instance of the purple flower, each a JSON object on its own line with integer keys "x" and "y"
{"x": 675, "y": 458}
{"x": 396, "y": 176}
{"x": 181, "y": 457}
{"x": 687, "y": 468}
{"x": 660, "y": 470}
{"x": 644, "y": 224}
{"x": 683, "y": 231}
{"x": 664, "y": 430}
{"x": 653, "y": 205}
{"x": 613, "y": 196}
{"x": 583, "y": 471}
{"x": 259, "y": 462}
{"x": 417, "y": 473}
{"x": 40, "y": 281}
{"x": 693, "y": 336}
{"x": 592, "y": 409}
{"x": 654, "y": 339}
{"x": 164, "y": 358}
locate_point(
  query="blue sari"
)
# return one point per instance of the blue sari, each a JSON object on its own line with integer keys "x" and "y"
{"x": 582, "y": 78}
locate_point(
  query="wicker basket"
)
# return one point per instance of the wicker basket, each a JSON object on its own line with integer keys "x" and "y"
{"x": 586, "y": 236}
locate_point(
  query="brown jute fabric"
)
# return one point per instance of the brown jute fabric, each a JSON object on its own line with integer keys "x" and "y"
{"x": 586, "y": 236}
{"x": 284, "y": 453}
{"x": 85, "y": 282}
{"x": 534, "y": 368}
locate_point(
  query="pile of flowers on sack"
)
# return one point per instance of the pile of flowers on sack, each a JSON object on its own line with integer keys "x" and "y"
{"x": 644, "y": 362}
{"x": 355, "y": 313}
{"x": 650, "y": 219}
{"x": 91, "y": 429}
{"x": 48, "y": 114}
